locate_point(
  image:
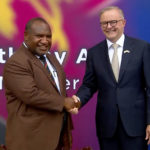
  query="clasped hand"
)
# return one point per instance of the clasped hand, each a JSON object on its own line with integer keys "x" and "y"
{"x": 72, "y": 104}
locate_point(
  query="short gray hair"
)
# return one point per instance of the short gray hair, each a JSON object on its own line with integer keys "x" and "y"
{"x": 110, "y": 8}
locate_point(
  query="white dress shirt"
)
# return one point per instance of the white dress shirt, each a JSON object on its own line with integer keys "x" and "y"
{"x": 51, "y": 68}
{"x": 120, "y": 42}
{"x": 53, "y": 72}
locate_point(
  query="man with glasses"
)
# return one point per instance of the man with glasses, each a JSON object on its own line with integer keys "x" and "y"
{"x": 119, "y": 69}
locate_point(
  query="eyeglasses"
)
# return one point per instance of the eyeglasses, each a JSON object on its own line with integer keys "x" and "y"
{"x": 112, "y": 23}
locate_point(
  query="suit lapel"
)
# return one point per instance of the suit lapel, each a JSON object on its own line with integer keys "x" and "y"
{"x": 37, "y": 62}
{"x": 126, "y": 56}
{"x": 56, "y": 65}
{"x": 107, "y": 61}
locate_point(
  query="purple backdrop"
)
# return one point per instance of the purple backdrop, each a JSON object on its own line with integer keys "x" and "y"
{"x": 75, "y": 26}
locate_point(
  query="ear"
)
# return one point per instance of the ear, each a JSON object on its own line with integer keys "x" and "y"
{"x": 25, "y": 36}
{"x": 124, "y": 22}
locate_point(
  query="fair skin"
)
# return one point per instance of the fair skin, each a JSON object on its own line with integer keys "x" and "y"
{"x": 148, "y": 134}
{"x": 75, "y": 109}
{"x": 112, "y": 33}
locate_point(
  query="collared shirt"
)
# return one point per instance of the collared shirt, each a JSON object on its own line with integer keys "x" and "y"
{"x": 120, "y": 42}
{"x": 51, "y": 68}
{"x": 25, "y": 45}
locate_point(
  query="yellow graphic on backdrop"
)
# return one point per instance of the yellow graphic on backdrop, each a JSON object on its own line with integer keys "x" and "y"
{"x": 7, "y": 16}
{"x": 53, "y": 14}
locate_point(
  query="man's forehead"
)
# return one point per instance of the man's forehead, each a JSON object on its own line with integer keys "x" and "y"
{"x": 111, "y": 14}
{"x": 40, "y": 26}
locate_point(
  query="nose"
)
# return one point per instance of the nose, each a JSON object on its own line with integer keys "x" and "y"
{"x": 44, "y": 39}
{"x": 108, "y": 25}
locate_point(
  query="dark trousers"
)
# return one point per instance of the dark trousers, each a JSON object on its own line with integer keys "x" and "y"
{"x": 121, "y": 141}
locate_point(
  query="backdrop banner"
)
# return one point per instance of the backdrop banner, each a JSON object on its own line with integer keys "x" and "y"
{"x": 76, "y": 27}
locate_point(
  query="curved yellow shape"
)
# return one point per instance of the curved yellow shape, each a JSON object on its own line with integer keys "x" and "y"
{"x": 7, "y": 25}
{"x": 54, "y": 17}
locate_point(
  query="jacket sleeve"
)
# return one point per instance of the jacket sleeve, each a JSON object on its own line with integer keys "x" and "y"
{"x": 146, "y": 63}
{"x": 19, "y": 84}
{"x": 89, "y": 84}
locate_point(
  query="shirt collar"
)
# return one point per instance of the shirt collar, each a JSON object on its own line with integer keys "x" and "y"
{"x": 39, "y": 56}
{"x": 25, "y": 45}
{"x": 120, "y": 41}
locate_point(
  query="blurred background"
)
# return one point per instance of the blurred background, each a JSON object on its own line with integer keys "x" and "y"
{"x": 75, "y": 27}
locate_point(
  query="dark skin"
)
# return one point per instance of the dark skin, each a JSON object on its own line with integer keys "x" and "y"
{"x": 70, "y": 104}
{"x": 38, "y": 38}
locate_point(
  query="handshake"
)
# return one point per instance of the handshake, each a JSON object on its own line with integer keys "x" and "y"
{"x": 72, "y": 104}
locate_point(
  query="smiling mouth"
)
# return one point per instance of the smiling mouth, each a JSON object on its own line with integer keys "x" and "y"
{"x": 112, "y": 31}
{"x": 43, "y": 48}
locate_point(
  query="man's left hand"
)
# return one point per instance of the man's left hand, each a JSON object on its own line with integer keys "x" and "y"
{"x": 148, "y": 134}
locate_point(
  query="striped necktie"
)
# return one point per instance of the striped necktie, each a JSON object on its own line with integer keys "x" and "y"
{"x": 43, "y": 59}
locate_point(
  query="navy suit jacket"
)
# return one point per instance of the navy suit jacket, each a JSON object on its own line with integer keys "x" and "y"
{"x": 129, "y": 97}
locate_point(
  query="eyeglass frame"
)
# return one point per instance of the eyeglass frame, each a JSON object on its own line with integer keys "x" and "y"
{"x": 113, "y": 23}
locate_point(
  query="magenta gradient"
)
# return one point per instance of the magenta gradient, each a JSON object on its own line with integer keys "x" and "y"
{"x": 82, "y": 31}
